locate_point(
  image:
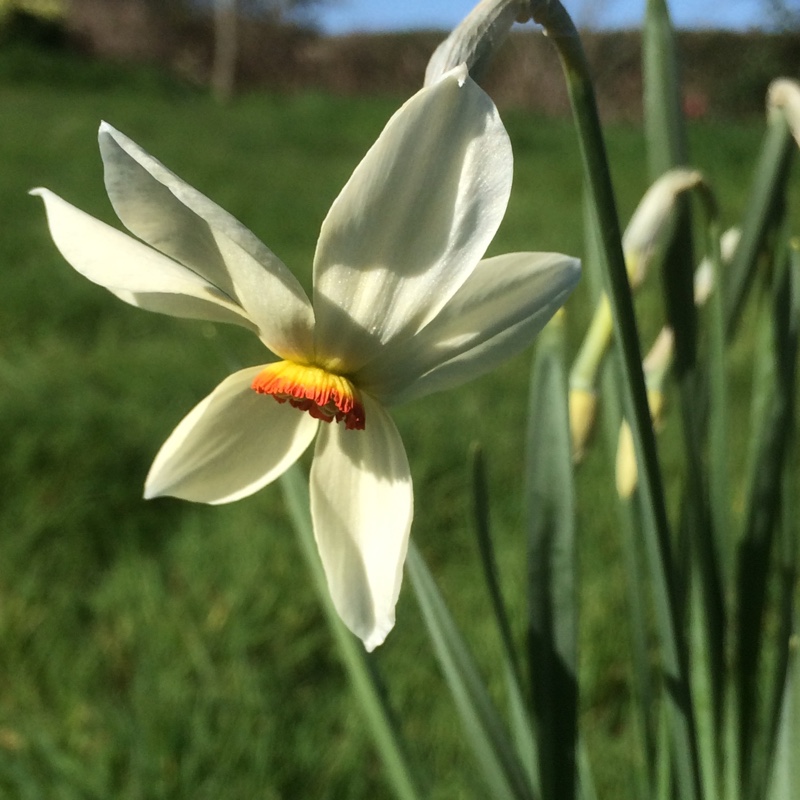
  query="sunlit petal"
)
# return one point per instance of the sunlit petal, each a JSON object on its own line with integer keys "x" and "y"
{"x": 499, "y": 310}
{"x": 133, "y": 271}
{"x": 412, "y": 222}
{"x": 167, "y": 213}
{"x": 362, "y": 505}
{"x": 230, "y": 445}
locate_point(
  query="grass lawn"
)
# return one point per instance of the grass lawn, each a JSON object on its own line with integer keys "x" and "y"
{"x": 167, "y": 650}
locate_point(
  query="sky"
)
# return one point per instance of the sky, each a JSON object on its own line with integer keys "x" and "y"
{"x": 346, "y": 16}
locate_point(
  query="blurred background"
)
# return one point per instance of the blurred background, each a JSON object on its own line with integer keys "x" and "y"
{"x": 359, "y": 47}
{"x": 166, "y": 650}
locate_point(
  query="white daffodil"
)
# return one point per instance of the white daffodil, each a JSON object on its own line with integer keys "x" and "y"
{"x": 403, "y": 306}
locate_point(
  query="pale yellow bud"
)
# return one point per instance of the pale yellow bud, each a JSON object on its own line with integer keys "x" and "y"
{"x": 627, "y": 470}
{"x": 656, "y": 401}
{"x": 784, "y": 94}
{"x": 644, "y": 231}
{"x": 582, "y": 413}
{"x": 704, "y": 274}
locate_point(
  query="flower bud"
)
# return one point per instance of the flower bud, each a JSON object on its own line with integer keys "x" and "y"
{"x": 477, "y": 38}
{"x": 704, "y": 274}
{"x": 784, "y": 94}
{"x": 582, "y": 413}
{"x": 641, "y": 237}
{"x": 627, "y": 473}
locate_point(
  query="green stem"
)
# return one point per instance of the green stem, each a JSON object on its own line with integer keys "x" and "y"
{"x": 561, "y": 30}
{"x": 583, "y": 374}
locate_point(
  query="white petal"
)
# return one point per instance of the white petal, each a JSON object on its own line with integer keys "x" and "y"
{"x": 495, "y": 314}
{"x": 412, "y": 222}
{"x": 362, "y": 505}
{"x": 133, "y": 271}
{"x": 230, "y": 445}
{"x": 167, "y": 213}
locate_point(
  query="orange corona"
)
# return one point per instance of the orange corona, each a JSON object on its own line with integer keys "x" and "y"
{"x": 324, "y": 395}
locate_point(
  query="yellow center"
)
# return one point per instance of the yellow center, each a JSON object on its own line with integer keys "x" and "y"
{"x": 322, "y": 394}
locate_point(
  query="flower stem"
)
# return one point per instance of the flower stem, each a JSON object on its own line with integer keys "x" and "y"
{"x": 561, "y": 30}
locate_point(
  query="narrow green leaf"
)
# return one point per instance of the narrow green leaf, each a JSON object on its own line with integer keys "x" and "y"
{"x": 707, "y": 694}
{"x": 702, "y": 529}
{"x": 775, "y": 691}
{"x": 361, "y": 667}
{"x": 719, "y": 479}
{"x": 785, "y": 781}
{"x": 500, "y": 767}
{"x": 585, "y": 779}
{"x": 553, "y": 618}
{"x": 517, "y": 706}
{"x": 667, "y": 147}
{"x": 783, "y": 722}
{"x": 636, "y": 584}
{"x": 655, "y": 529}
{"x": 764, "y": 206}
{"x": 762, "y": 518}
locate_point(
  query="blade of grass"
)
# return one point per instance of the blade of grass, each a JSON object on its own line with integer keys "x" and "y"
{"x": 360, "y": 666}
{"x": 500, "y": 767}
{"x": 552, "y": 621}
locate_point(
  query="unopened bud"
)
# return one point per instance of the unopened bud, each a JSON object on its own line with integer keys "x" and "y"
{"x": 582, "y": 414}
{"x": 644, "y": 231}
{"x": 784, "y": 94}
{"x": 656, "y": 402}
{"x": 475, "y": 40}
{"x": 627, "y": 473}
{"x": 659, "y": 357}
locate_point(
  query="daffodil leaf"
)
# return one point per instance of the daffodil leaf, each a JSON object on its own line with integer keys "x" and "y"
{"x": 499, "y": 764}
{"x": 764, "y": 206}
{"x": 552, "y": 621}
{"x": 517, "y": 706}
{"x": 667, "y": 147}
{"x": 775, "y": 421}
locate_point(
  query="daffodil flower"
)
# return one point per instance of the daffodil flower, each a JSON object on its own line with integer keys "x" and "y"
{"x": 402, "y": 306}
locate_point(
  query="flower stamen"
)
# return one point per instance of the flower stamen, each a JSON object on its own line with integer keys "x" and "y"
{"x": 324, "y": 395}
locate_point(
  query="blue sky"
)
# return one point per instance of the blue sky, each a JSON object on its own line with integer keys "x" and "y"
{"x": 344, "y": 16}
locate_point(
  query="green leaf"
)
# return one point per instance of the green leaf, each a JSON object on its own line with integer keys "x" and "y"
{"x": 762, "y": 523}
{"x": 499, "y": 764}
{"x": 765, "y": 205}
{"x": 655, "y": 527}
{"x": 553, "y": 617}
{"x": 787, "y": 556}
{"x": 517, "y": 706}
{"x": 667, "y": 147}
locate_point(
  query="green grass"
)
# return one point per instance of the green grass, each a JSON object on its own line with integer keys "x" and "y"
{"x": 166, "y": 650}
